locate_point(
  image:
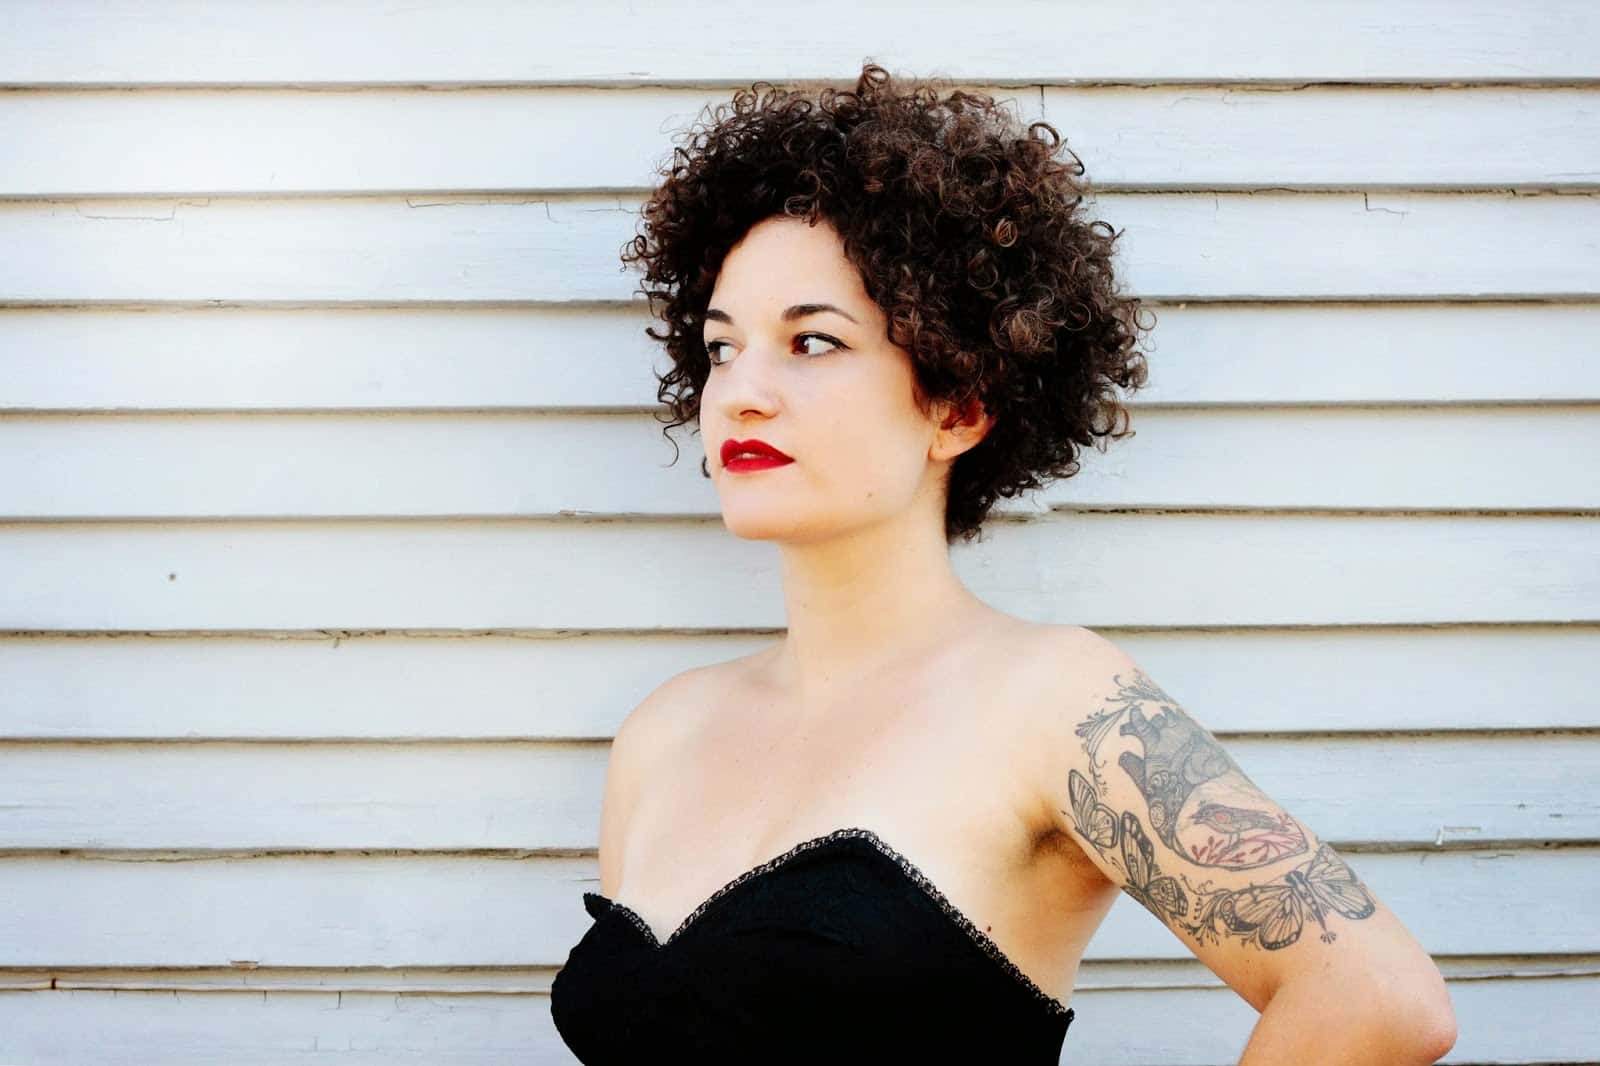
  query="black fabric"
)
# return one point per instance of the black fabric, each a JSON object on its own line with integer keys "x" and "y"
{"x": 838, "y": 950}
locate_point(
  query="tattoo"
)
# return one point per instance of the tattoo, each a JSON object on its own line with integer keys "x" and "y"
{"x": 1193, "y": 789}
{"x": 1233, "y": 824}
{"x": 1273, "y": 914}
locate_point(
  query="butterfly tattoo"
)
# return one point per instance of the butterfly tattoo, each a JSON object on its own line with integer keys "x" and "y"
{"x": 1273, "y": 915}
{"x": 1097, "y": 822}
{"x": 1160, "y": 894}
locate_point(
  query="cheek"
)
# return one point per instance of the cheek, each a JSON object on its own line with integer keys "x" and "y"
{"x": 876, "y": 461}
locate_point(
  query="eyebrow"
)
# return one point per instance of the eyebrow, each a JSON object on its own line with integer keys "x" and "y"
{"x": 789, "y": 314}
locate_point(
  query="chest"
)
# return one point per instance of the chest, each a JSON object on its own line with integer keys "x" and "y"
{"x": 927, "y": 761}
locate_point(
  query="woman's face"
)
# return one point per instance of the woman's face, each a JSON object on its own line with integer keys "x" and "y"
{"x": 824, "y": 387}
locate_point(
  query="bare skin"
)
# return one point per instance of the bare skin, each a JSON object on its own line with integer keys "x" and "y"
{"x": 926, "y": 754}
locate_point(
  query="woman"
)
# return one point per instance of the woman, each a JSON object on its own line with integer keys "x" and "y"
{"x": 893, "y": 832}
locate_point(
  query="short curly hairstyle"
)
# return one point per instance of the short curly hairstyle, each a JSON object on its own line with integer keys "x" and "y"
{"x": 967, "y": 232}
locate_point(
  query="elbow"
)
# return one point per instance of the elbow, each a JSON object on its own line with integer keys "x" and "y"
{"x": 1427, "y": 1049}
{"x": 1405, "y": 1020}
{"x": 1423, "y": 1020}
{"x": 1440, "y": 1037}
{"x": 1412, "y": 1001}
{"x": 1415, "y": 1038}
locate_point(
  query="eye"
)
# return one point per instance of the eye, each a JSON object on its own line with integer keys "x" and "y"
{"x": 711, "y": 348}
{"x": 835, "y": 345}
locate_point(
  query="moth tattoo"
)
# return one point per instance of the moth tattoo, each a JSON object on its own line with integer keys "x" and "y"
{"x": 1272, "y": 915}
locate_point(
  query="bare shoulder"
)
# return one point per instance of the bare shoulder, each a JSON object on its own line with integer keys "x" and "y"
{"x": 675, "y": 712}
{"x": 647, "y": 734}
{"x": 652, "y": 727}
{"x": 1064, "y": 661}
{"x": 1074, "y": 669}
{"x": 1057, "y": 674}
{"x": 1075, "y": 640}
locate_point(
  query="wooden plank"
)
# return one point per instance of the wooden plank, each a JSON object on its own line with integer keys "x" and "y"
{"x": 1209, "y": 1027}
{"x": 432, "y": 465}
{"x": 329, "y": 686}
{"x": 1435, "y": 790}
{"x": 1094, "y": 569}
{"x": 1308, "y": 136}
{"x": 1177, "y": 246}
{"x": 611, "y": 42}
{"x": 275, "y": 142}
{"x": 1103, "y": 975}
{"x": 1191, "y": 1027}
{"x": 185, "y": 909}
{"x": 1330, "y": 458}
{"x": 257, "y": 359}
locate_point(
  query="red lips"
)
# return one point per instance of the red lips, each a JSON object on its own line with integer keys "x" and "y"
{"x": 731, "y": 448}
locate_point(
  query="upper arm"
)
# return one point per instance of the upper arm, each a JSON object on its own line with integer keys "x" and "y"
{"x": 639, "y": 740}
{"x": 1166, "y": 814}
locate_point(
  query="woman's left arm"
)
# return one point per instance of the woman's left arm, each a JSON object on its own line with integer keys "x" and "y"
{"x": 1166, "y": 814}
{"x": 1351, "y": 1020}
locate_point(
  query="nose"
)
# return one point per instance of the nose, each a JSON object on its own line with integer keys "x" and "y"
{"x": 745, "y": 385}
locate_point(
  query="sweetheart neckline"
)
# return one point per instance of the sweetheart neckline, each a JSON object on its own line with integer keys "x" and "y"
{"x": 984, "y": 942}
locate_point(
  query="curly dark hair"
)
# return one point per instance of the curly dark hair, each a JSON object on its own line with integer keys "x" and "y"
{"x": 967, "y": 232}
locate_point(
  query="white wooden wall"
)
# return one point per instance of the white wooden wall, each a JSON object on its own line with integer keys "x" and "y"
{"x": 333, "y": 519}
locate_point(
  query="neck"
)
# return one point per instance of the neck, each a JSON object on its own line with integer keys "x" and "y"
{"x": 859, "y": 604}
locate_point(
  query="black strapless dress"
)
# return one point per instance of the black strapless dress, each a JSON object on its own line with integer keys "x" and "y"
{"x": 838, "y": 950}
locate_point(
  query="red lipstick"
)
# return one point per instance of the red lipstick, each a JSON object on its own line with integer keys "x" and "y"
{"x": 752, "y": 454}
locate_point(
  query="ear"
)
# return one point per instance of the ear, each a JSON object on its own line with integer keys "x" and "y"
{"x": 960, "y": 429}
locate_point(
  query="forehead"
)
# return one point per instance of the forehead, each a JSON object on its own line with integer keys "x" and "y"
{"x": 784, "y": 261}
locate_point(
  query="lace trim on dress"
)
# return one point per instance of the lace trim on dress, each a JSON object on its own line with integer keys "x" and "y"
{"x": 921, "y": 880}
{"x": 628, "y": 913}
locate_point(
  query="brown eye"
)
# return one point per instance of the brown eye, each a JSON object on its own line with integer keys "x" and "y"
{"x": 835, "y": 346}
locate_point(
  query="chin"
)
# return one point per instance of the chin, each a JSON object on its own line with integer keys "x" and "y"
{"x": 758, "y": 527}
{"x": 762, "y": 524}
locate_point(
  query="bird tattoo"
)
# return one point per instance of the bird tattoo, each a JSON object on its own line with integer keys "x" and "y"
{"x": 1272, "y": 836}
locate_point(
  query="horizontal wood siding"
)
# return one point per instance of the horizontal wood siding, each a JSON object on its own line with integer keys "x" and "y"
{"x": 332, "y": 503}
